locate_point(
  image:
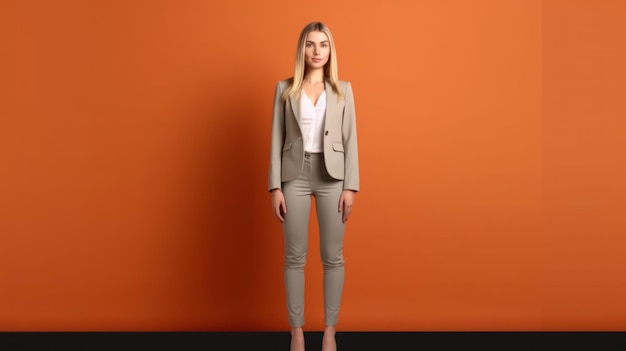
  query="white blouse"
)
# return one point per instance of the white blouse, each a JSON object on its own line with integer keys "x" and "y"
{"x": 312, "y": 122}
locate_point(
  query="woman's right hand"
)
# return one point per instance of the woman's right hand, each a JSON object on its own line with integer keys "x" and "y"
{"x": 278, "y": 204}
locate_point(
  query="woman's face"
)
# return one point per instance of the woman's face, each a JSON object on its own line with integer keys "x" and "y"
{"x": 316, "y": 50}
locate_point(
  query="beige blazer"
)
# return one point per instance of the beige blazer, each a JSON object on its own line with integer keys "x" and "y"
{"x": 340, "y": 138}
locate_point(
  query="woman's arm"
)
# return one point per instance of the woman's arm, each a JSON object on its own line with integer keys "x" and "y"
{"x": 277, "y": 141}
{"x": 350, "y": 145}
{"x": 279, "y": 207}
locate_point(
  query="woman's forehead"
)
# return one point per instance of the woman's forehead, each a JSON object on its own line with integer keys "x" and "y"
{"x": 316, "y": 36}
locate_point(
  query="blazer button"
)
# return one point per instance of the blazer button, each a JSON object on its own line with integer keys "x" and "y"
{"x": 326, "y": 133}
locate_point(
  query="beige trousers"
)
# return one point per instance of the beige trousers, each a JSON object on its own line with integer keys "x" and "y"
{"x": 314, "y": 181}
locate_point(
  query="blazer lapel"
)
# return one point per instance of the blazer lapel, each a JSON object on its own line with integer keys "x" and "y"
{"x": 331, "y": 101}
{"x": 295, "y": 107}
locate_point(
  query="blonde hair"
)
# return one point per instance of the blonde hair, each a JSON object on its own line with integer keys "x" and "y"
{"x": 330, "y": 69}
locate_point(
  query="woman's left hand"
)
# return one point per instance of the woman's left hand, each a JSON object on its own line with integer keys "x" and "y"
{"x": 346, "y": 200}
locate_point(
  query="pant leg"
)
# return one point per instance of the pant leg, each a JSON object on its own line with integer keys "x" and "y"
{"x": 327, "y": 192}
{"x": 295, "y": 233}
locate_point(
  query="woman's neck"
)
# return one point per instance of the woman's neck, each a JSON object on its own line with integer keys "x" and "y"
{"x": 314, "y": 76}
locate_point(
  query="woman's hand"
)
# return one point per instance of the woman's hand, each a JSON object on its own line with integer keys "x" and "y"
{"x": 346, "y": 200}
{"x": 278, "y": 204}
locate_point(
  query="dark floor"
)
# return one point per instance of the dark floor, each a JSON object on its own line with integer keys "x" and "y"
{"x": 346, "y": 341}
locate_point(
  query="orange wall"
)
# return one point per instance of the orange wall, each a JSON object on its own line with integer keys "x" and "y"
{"x": 134, "y": 141}
{"x": 584, "y": 165}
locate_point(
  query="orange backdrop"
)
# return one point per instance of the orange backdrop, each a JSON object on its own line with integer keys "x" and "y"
{"x": 134, "y": 142}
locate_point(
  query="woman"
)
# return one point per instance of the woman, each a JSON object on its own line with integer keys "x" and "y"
{"x": 313, "y": 153}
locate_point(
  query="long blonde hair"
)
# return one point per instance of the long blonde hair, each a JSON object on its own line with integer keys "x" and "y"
{"x": 330, "y": 69}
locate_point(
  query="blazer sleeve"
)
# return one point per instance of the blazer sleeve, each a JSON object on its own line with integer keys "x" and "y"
{"x": 277, "y": 140}
{"x": 350, "y": 145}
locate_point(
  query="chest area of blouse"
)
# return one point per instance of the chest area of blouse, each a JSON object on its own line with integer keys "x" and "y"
{"x": 310, "y": 110}
{"x": 313, "y": 91}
